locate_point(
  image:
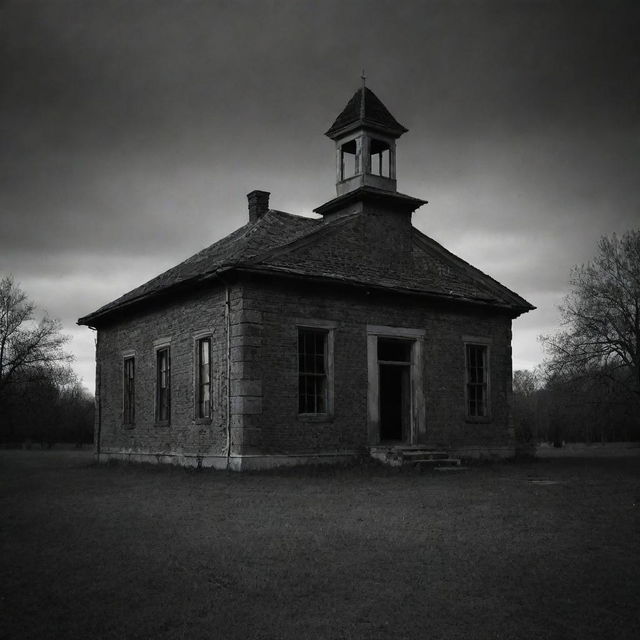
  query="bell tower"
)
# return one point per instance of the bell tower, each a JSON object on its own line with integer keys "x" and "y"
{"x": 365, "y": 134}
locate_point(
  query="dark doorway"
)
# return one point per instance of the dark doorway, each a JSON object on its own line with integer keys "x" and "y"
{"x": 395, "y": 390}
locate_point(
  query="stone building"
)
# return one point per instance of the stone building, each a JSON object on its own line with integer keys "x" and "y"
{"x": 298, "y": 339}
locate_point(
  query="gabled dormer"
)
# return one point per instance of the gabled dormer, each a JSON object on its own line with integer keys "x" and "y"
{"x": 365, "y": 134}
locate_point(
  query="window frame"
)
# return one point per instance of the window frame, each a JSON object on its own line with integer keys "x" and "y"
{"x": 485, "y": 345}
{"x": 328, "y": 330}
{"x": 197, "y": 380}
{"x": 128, "y": 391}
{"x": 159, "y": 349}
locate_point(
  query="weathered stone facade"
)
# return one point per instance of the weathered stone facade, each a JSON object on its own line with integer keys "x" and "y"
{"x": 360, "y": 280}
{"x": 176, "y": 324}
{"x": 263, "y": 395}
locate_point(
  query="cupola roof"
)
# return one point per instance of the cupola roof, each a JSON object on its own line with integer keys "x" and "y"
{"x": 365, "y": 110}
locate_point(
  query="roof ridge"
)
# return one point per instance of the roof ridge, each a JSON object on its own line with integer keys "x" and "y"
{"x": 219, "y": 256}
{"x": 240, "y": 231}
{"x": 237, "y": 257}
{"x": 302, "y": 240}
{"x": 476, "y": 274}
{"x": 293, "y": 215}
{"x": 251, "y": 228}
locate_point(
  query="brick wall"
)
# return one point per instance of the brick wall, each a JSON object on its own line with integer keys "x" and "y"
{"x": 281, "y": 307}
{"x": 180, "y": 320}
{"x": 263, "y": 317}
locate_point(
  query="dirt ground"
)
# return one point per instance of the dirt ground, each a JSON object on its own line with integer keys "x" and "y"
{"x": 546, "y": 549}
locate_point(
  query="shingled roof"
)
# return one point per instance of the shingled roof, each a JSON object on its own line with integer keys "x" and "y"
{"x": 273, "y": 229}
{"x": 366, "y": 109}
{"x": 282, "y": 243}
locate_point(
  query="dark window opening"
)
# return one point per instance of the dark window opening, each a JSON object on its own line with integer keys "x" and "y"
{"x": 348, "y": 160}
{"x": 312, "y": 371}
{"x": 129, "y": 404}
{"x": 394, "y": 350}
{"x": 476, "y": 356}
{"x": 163, "y": 385}
{"x": 379, "y": 159}
{"x": 204, "y": 377}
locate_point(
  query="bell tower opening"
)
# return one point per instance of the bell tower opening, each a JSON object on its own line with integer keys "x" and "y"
{"x": 349, "y": 160}
{"x": 380, "y": 159}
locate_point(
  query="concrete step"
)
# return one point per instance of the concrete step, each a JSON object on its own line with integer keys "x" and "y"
{"x": 457, "y": 467}
{"x": 424, "y": 454}
{"x": 420, "y": 456}
{"x": 436, "y": 463}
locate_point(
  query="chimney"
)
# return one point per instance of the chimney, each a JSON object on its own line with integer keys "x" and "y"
{"x": 258, "y": 204}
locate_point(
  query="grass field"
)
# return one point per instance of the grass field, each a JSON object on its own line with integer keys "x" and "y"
{"x": 548, "y": 549}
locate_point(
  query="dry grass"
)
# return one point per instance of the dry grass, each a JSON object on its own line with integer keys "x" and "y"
{"x": 140, "y": 552}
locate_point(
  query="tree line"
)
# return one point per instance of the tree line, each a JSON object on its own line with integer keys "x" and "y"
{"x": 578, "y": 409}
{"x": 588, "y": 388}
{"x": 41, "y": 400}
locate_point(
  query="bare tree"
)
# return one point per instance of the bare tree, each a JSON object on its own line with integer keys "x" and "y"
{"x": 28, "y": 349}
{"x": 601, "y": 317}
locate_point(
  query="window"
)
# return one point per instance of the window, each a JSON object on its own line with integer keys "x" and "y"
{"x": 312, "y": 371}
{"x": 163, "y": 385}
{"x": 477, "y": 380}
{"x": 129, "y": 392}
{"x": 203, "y": 378}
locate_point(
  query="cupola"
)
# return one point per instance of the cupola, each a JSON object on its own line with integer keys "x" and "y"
{"x": 365, "y": 134}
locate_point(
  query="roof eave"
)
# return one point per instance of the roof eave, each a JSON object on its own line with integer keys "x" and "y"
{"x": 337, "y": 132}
{"x": 399, "y": 200}
{"x": 99, "y": 316}
{"x": 513, "y": 310}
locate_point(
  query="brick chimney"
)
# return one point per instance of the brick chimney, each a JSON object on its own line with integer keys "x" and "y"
{"x": 258, "y": 204}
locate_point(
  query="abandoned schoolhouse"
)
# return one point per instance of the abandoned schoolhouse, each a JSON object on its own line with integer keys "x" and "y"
{"x": 303, "y": 340}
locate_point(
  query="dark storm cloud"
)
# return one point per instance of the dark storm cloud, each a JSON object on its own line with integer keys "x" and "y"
{"x": 132, "y": 130}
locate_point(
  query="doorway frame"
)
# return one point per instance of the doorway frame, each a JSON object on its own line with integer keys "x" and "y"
{"x": 417, "y": 412}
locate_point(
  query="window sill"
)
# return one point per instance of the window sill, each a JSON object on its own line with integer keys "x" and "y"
{"x": 202, "y": 421}
{"x": 315, "y": 417}
{"x": 128, "y": 426}
{"x": 165, "y": 423}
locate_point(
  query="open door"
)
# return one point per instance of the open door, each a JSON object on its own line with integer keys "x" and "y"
{"x": 394, "y": 393}
{"x": 395, "y": 396}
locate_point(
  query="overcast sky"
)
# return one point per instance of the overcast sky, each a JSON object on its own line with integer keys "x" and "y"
{"x": 131, "y": 132}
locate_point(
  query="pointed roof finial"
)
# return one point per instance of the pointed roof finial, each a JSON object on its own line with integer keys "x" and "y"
{"x": 364, "y": 78}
